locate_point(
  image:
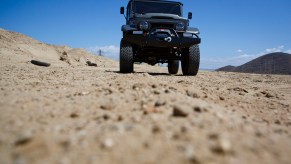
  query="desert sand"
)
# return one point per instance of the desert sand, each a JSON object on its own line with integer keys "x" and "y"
{"x": 72, "y": 113}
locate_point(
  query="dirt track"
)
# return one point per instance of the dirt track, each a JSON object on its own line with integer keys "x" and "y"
{"x": 72, "y": 113}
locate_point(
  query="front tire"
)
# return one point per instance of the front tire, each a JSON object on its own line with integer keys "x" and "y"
{"x": 126, "y": 57}
{"x": 191, "y": 60}
{"x": 173, "y": 66}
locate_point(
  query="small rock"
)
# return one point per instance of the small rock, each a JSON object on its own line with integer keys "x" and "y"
{"x": 192, "y": 93}
{"x": 84, "y": 93}
{"x": 64, "y": 56}
{"x": 278, "y": 122}
{"x": 106, "y": 117}
{"x": 268, "y": 95}
{"x": 74, "y": 115}
{"x": 108, "y": 143}
{"x": 222, "y": 147}
{"x": 119, "y": 118}
{"x": 190, "y": 155}
{"x": 23, "y": 139}
{"x": 240, "y": 90}
{"x": 89, "y": 63}
{"x": 181, "y": 111}
{"x": 40, "y": 63}
{"x": 154, "y": 86}
{"x": 167, "y": 91}
{"x": 181, "y": 81}
{"x": 136, "y": 119}
{"x": 160, "y": 103}
{"x": 221, "y": 98}
{"x": 156, "y": 129}
{"x": 107, "y": 106}
{"x": 156, "y": 92}
{"x": 213, "y": 136}
{"x": 65, "y": 53}
{"x": 198, "y": 109}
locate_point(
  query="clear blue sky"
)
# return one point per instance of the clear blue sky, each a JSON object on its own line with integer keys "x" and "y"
{"x": 232, "y": 31}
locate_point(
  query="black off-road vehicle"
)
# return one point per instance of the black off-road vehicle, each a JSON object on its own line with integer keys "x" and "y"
{"x": 156, "y": 32}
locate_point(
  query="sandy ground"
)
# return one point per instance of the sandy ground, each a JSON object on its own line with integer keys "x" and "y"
{"x": 72, "y": 113}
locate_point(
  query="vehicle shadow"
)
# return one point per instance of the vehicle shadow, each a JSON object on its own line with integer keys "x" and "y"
{"x": 150, "y": 73}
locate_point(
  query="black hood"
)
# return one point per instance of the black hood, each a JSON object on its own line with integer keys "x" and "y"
{"x": 158, "y": 16}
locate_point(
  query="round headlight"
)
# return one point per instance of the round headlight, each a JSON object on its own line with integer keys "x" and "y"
{"x": 144, "y": 25}
{"x": 180, "y": 26}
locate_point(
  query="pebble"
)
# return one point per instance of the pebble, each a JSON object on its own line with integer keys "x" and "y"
{"x": 278, "y": 122}
{"x": 23, "y": 139}
{"x": 198, "y": 109}
{"x": 213, "y": 136}
{"x": 268, "y": 95}
{"x": 106, "y": 117}
{"x": 156, "y": 92}
{"x": 223, "y": 146}
{"x": 239, "y": 90}
{"x": 120, "y": 118}
{"x": 84, "y": 93}
{"x": 193, "y": 93}
{"x": 181, "y": 111}
{"x": 160, "y": 103}
{"x": 108, "y": 143}
{"x": 221, "y": 98}
{"x": 74, "y": 115}
{"x": 156, "y": 129}
{"x": 167, "y": 91}
{"x": 89, "y": 63}
{"x": 154, "y": 86}
{"x": 107, "y": 105}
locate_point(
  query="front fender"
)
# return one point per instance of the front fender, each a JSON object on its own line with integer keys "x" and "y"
{"x": 193, "y": 30}
{"x": 126, "y": 28}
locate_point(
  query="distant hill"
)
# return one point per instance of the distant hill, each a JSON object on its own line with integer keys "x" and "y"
{"x": 228, "y": 68}
{"x": 273, "y": 63}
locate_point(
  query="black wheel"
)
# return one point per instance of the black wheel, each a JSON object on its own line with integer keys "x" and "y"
{"x": 191, "y": 60}
{"x": 173, "y": 66}
{"x": 126, "y": 57}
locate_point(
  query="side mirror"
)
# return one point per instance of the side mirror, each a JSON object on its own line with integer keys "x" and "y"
{"x": 190, "y": 15}
{"x": 121, "y": 10}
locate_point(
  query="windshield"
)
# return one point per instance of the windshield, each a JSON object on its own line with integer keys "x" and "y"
{"x": 157, "y": 7}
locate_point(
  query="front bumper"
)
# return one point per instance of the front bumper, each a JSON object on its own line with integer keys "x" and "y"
{"x": 161, "y": 41}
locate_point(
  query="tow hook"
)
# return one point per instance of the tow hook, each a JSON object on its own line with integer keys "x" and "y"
{"x": 168, "y": 39}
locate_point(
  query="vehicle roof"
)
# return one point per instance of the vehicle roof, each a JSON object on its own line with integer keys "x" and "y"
{"x": 156, "y": 1}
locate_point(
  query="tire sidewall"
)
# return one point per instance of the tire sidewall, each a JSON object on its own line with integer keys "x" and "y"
{"x": 191, "y": 60}
{"x": 126, "y": 57}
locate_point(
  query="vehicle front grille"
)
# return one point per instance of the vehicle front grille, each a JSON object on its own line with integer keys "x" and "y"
{"x": 157, "y": 25}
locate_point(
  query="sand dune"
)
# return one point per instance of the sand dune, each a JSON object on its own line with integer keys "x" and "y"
{"x": 72, "y": 113}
